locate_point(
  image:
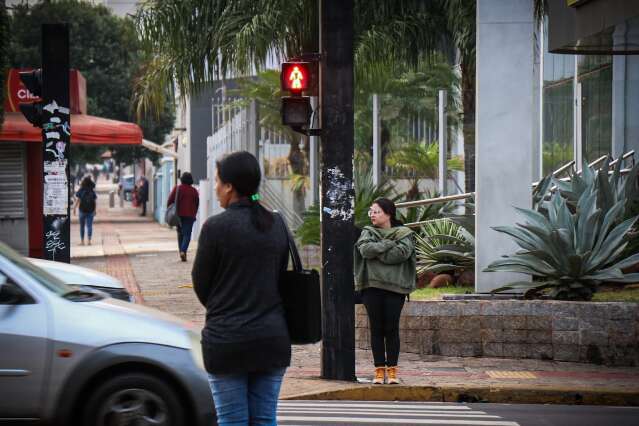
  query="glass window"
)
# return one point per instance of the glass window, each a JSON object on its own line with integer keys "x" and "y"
{"x": 595, "y": 76}
{"x": 558, "y": 110}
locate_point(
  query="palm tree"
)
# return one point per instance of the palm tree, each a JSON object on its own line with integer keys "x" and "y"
{"x": 419, "y": 160}
{"x": 191, "y": 42}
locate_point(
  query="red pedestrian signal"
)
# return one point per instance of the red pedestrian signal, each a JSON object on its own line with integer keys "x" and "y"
{"x": 295, "y": 77}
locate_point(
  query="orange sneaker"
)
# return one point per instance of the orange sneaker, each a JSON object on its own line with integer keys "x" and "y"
{"x": 391, "y": 373}
{"x": 379, "y": 376}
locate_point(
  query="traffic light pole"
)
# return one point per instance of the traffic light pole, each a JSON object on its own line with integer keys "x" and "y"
{"x": 56, "y": 139}
{"x": 337, "y": 198}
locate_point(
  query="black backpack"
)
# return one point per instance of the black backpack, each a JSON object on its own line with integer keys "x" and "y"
{"x": 87, "y": 201}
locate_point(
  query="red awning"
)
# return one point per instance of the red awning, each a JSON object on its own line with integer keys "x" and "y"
{"x": 85, "y": 129}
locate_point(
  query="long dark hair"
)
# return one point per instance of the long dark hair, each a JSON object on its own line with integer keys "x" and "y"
{"x": 389, "y": 208}
{"x": 242, "y": 170}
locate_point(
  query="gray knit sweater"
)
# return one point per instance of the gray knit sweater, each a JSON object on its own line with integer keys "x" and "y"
{"x": 235, "y": 276}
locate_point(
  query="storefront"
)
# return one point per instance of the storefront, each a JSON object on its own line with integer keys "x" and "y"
{"x": 21, "y": 174}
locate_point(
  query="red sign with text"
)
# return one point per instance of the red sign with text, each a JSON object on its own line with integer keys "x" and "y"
{"x": 17, "y": 92}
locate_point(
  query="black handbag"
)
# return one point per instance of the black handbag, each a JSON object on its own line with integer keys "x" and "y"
{"x": 301, "y": 297}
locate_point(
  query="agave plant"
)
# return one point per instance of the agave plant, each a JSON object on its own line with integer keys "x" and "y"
{"x": 612, "y": 188}
{"x": 442, "y": 245}
{"x": 570, "y": 254}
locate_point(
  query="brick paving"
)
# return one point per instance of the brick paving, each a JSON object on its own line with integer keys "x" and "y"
{"x": 143, "y": 255}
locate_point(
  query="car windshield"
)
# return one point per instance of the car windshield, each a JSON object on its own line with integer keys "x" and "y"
{"x": 47, "y": 280}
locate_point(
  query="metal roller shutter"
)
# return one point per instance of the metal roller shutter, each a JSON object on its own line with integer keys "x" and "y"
{"x": 12, "y": 181}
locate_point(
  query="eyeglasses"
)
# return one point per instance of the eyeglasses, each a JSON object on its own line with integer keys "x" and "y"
{"x": 371, "y": 212}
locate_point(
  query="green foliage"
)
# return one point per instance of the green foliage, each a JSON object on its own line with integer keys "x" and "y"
{"x": 570, "y": 253}
{"x": 443, "y": 246}
{"x": 419, "y": 160}
{"x": 437, "y": 293}
{"x": 105, "y": 49}
{"x": 422, "y": 213}
{"x": 308, "y": 232}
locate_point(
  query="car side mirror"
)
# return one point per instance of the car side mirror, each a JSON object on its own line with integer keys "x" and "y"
{"x": 11, "y": 294}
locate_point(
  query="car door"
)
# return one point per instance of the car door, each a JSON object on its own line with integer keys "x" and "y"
{"x": 23, "y": 350}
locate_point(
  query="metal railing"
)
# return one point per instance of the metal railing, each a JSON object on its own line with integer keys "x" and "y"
{"x": 448, "y": 198}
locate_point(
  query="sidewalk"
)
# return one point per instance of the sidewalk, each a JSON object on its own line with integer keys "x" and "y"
{"x": 143, "y": 255}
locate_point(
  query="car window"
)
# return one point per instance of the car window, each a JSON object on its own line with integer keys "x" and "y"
{"x": 47, "y": 280}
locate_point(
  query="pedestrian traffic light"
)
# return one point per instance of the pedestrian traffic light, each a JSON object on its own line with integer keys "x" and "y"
{"x": 32, "y": 111}
{"x": 296, "y": 77}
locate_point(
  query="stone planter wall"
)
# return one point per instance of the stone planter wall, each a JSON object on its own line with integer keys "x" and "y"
{"x": 601, "y": 333}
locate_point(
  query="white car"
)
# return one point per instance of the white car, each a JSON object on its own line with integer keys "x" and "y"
{"x": 79, "y": 276}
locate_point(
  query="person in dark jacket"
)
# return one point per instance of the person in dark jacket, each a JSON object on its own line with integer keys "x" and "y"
{"x": 143, "y": 194}
{"x": 188, "y": 201}
{"x": 241, "y": 254}
{"x": 85, "y": 200}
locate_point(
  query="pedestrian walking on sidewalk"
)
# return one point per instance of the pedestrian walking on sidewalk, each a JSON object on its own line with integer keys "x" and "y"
{"x": 385, "y": 274}
{"x": 143, "y": 194}
{"x": 240, "y": 256}
{"x": 187, "y": 203}
{"x": 85, "y": 199}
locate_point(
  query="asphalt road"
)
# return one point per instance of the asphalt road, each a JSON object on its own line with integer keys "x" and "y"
{"x": 428, "y": 413}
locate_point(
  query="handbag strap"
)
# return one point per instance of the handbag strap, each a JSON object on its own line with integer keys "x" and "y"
{"x": 292, "y": 248}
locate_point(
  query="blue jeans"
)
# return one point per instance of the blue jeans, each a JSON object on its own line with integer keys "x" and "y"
{"x": 86, "y": 219}
{"x": 184, "y": 231}
{"x": 247, "y": 399}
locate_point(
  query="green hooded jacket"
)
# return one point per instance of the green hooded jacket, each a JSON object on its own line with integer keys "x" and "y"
{"x": 385, "y": 259}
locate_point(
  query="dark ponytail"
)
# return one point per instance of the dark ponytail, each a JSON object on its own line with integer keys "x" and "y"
{"x": 389, "y": 208}
{"x": 242, "y": 171}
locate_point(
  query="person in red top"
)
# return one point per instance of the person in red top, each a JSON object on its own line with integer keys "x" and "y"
{"x": 188, "y": 201}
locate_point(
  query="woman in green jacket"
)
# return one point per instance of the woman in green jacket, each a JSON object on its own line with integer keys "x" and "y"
{"x": 385, "y": 273}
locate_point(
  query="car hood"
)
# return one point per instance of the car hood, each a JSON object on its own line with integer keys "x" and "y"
{"x": 111, "y": 321}
{"x": 77, "y": 275}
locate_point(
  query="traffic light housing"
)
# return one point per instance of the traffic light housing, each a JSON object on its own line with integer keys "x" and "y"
{"x": 298, "y": 78}
{"x": 296, "y": 111}
{"x": 32, "y": 111}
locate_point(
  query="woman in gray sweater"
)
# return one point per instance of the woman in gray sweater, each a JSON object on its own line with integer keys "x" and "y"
{"x": 241, "y": 254}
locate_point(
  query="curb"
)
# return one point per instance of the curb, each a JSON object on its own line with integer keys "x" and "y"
{"x": 490, "y": 394}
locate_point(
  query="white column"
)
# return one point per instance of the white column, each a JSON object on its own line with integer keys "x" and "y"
{"x": 504, "y": 131}
{"x": 377, "y": 143}
{"x": 443, "y": 144}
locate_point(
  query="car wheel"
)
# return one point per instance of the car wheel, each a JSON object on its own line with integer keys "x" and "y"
{"x": 133, "y": 400}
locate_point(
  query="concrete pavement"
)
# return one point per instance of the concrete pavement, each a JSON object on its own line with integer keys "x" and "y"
{"x": 144, "y": 256}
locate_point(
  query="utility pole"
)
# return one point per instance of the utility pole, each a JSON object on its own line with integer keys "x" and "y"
{"x": 56, "y": 140}
{"x": 337, "y": 198}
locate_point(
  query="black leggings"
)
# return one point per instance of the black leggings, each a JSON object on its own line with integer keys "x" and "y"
{"x": 384, "y": 308}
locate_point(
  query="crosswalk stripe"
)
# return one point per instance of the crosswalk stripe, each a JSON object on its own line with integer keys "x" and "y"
{"x": 380, "y": 406}
{"x": 350, "y": 420}
{"x": 392, "y": 411}
{"x": 395, "y": 414}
